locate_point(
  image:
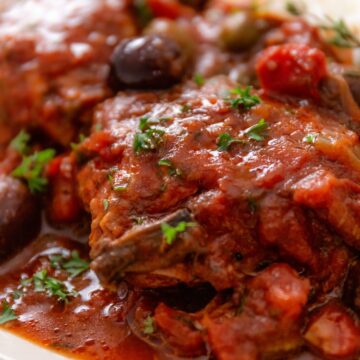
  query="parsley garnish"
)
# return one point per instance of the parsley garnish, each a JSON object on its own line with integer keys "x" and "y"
{"x": 143, "y": 12}
{"x": 20, "y": 142}
{"x": 115, "y": 187}
{"x": 294, "y": 9}
{"x": 7, "y": 313}
{"x": 256, "y": 132}
{"x": 170, "y": 232}
{"x": 149, "y": 138}
{"x": 185, "y": 108}
{"x": 149, "y": 325}
{"x": 342, "y": 36}
{"x": 225, "y": 140}
{"x": 74, "y": 146}
{"x": 106, "y": 204}
{"x": 31, "y": 169}
{"x": 244, "y": 98}
{"x": 172, "y": 169}
{"x": 50, "y": 285}
{"x": 144, "y": 123}
{"x": 310, "y": 138}
{"x": 199, "y": 79}
{"x": 74, "y": 266}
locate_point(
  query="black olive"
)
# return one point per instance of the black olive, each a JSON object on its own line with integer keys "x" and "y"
{"x": 353, "y": 80}
{"x": 147, "y": 62}
{"x": 20, "y": 216}
{"x": 351, "y": 291}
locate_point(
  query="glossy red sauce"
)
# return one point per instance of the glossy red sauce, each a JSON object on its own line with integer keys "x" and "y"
{"x": 92, "y": 325}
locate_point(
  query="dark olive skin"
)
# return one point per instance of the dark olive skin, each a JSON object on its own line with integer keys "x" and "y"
{"x": 20, "y": 216}
{"x": 146, "y": 62}
{"x": 354, "y": 84}
{"x": 351, "y": 292}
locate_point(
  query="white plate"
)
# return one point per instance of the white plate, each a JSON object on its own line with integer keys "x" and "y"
{"x": 15, "y": 348}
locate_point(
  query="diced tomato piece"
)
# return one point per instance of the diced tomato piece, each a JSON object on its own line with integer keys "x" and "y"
{"x": 293, "y": 69}
{"x": 64, "y": 201}
{"x": 284, "y": 291}
{"x": 334, "y": 332}
{"x": 171, "y": 9}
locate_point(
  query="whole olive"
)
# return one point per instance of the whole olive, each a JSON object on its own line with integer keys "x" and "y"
{"x": 239, "y": 31}
{"x": 353, "y": 80}
{"x": 146, "y": 62}
{"x": 20, "y": 215}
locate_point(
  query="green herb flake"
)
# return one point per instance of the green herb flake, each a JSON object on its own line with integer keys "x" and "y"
{"x": 310, "y": 138}
{"x": 143, "y": 12}
{"x": 244, "y": 98}
{"x": 199, "y": 79}
{"x": 74, "y": 146}
{"x": 144, "y": 123}
{"x": 119, "y": 187}
{"x": 185, "y": 108}
{"x": 31, "y": 170}
{"x": 149, "y": 325}
{"x": 20, "y": 142}
{"x": 342, "y": 36}
{"x": 75, "y": 265}
{"x": 258, "y": 131}
{"x": 172, "y": 169}
{"x": 98, "y": 127}
{"x": 148, "y": 140}
{"x": 106, "y": 204}
{"x": 171, "y": 232}
{"x": 52, "y": 286}
{"x": 294, "y": 9}
{"x": 17, "y": 294}
{"x": 225, "y": 140}
{"x": 7, "y": 313}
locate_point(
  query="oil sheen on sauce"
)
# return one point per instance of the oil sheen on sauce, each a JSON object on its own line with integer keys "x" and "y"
{"x": 91, "y": 325}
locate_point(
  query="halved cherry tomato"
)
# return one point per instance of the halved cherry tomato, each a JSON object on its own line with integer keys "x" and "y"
{"x": 293, "y": 69}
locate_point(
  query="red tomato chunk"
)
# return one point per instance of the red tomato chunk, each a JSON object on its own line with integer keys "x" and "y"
{"x": 293, "y": 69}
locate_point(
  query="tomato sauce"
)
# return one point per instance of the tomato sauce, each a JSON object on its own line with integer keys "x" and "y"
{"x": 93, "y": 325}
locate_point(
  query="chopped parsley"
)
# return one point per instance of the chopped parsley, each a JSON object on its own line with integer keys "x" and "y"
{"x": 144, "y": 123}
{"x": 185, "y": 108}
{"x": 53, "y": 287}
{"x": 258, "y": 131}
{"x": 171, "y": 168}
{"x": 294, "y": 9}
{"x": 17, "y": 294}
{"x": 149, "y": 325}
{"x": 143, "y": 12}
{"x": 342, "y": 36}
{"x": 74, "y": 266}
{"x": 74, "y": 146}
{"x": 244, "y": 98}
{"x": 20, "y": 142}
{"x": 31, "y": 169}
{"x": 106, "y": 204}
{"x": 199, "y": 79}
{"x": 149, "y": 138}
{"x": 7, "y": 314}
{"x": 225, "y": 140}
{"x": 119, "y": 187}
{"x": 114, "y": 185}
{"x": 310, "y": 138}
{"x": 171, "y": 232}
